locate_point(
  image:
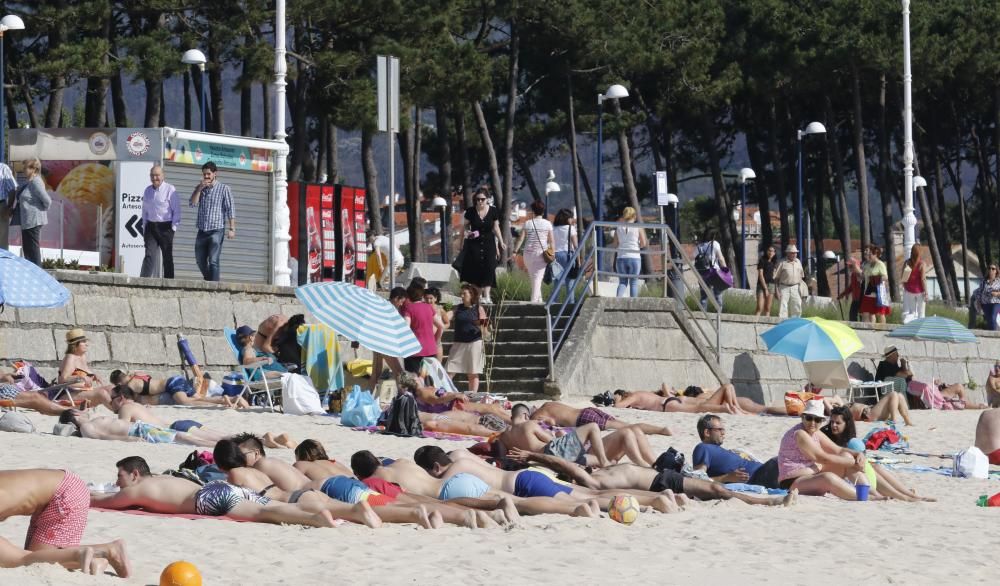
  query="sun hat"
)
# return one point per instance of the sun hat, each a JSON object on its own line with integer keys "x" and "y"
{"x": 791, "y": 248}
{"x": 75, "y": 335}
{"x": 889, "y": 351}
{"x": 814, "y": 408}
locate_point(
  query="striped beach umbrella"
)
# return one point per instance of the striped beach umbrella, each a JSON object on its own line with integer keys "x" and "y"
{"x": 360, "y": 315}
{"x": 23, "y": 284}
{"x": 812, "y": 339}
{"x": 935, "y": 329}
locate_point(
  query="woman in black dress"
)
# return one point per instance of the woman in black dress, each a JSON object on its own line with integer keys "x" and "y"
{"x": 483, "y": 243}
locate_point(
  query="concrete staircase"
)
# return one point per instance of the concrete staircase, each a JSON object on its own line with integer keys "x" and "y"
{"x": 517, "y": 362}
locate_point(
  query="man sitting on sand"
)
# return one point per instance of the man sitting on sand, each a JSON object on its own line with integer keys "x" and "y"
{"x": 530, "y": 435}
{"x": 692, "y": 400}
{"x": 174, "y": 390}
{"x": 58, "y": 503}
{"x": 625, "y": 477}
{"x": 172, "y": 495}
{"x": 725, "y": 465}
{"x": 988, "y": 435}
{"x": 562, "y": 415}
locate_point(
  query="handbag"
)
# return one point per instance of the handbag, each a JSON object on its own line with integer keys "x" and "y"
{"x": 547, "y": 253}
{"x": 882, "y": 298}
{"x": 573, "y": 268}
{"x": 459, "y": 261}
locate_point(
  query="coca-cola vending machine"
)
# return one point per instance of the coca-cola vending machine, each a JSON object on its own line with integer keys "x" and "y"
{"x": 327, "y": 230}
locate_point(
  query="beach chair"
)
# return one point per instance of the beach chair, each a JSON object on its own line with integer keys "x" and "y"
{"x": 252, "y": 388}
{"x": 187, "y": 358}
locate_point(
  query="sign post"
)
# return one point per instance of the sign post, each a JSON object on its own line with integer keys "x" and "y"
{"x": 388, "y": 122}
{"x": 132, "y": 179}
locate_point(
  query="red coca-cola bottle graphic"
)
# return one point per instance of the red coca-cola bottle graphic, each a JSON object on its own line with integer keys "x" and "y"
{"x": 348, "y": 235}
{"x": 315, "y": 246}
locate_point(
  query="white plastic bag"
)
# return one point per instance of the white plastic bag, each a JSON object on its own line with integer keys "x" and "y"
{"x": 299, "y": 396}
{"x": 971, "y": 463}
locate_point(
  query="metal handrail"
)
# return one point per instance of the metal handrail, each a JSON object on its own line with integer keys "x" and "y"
{"x": 585, "y": 256}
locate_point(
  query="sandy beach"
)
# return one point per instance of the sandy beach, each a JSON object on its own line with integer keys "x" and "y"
{"x": 821, "y": 540}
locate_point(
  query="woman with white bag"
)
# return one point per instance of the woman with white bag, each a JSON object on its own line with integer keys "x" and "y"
{"x": 876, "y": 301}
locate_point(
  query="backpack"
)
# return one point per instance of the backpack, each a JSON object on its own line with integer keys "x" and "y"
{"x": 705, "y": 257}
{"x": 401, "y": 418}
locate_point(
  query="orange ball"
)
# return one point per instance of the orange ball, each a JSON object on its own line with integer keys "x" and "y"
{"x": 180, "y": 574}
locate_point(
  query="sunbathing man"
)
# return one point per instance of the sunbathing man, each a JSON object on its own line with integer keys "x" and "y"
{"x": 58, "y": 503}
{"x": 988, "y": 435}
{"x": 430, "y": 400}
{"x": 562, "y": 415}
{"x": 110, "y": 428}
{"x": 629, "y": 476}
{"x": 37, "y": 400}
{"x": 282, "y": 475}
{"x": 530, "y": 435}
{"x": 526, "y": 483}
{"x": 172, "y": 495}
{"x": 466, "y": 489}
{"x": 175, "y": 390}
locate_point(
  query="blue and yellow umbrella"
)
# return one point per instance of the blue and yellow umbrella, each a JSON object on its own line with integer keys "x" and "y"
{"x": 812, "y": 339}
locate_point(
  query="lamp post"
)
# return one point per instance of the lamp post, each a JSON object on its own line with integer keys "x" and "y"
{"x": 441, "y": 205}
{"x": 812, "y": 128}
{"x": 196, "y": 57}
{"x": 11, "y": 22}
{"x": 614, "y": 92}
{"x": 550, "y": 187}
{"x": 909, "y": 220}
{"x": 746, "y": 174}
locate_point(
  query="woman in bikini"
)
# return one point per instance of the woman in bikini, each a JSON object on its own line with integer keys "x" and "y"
{"x": 891, "y": 407}
{"x": 693, "y": 399}
{"x": 74, "y": 369}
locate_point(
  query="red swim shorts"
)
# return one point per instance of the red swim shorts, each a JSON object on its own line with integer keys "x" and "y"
{"x": 383, "y": 486}
{"x": 994, "y": 457}
{"x": 62, "y": 521}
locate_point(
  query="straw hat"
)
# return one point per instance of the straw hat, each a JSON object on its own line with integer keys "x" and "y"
{"x": 75, "y": 335}
{"x": 791, "y": 248}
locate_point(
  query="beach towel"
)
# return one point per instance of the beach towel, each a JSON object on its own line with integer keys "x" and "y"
{"x": 431, "y": 367}
{"x": 142, "y": 513}
{"x": 321, "y": 356}
{"x": 754, "y": 489}
{"x": 455, "y": 437}
{"x": 885, "y": 437}
{"x": 932, "y": 397}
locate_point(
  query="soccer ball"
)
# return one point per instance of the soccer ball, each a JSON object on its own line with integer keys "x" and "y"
{"x": 624, "y": 509}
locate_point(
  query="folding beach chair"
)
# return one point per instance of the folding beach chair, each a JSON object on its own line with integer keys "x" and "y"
{"x": 252, "y": 388}
{"x": 188, "y": 360}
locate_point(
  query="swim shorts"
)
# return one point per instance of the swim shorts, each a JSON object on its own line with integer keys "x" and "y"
{"x": 352, "y": 491}
{"x": 9, "y": 392}
{"x": 463, "y": 485}
{"x": 668, "y": 479}
{"x": 218, "y": 498}
{"x": 530, "y": 483}
{"x": 592, "y": 415}
{"x": 62, "y": 521}
{"x": 382, "y": 486}
{"x": 184, "y": 425}
{"x": 493, "y": 423}
{"x": 174, "y": 385}
{"x": 568, "y": 447}
{"x": 151, "y": 433}
{"x": 994, "y": 457}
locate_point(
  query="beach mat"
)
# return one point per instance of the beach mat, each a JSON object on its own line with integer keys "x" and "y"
{"x": 142, "y": 513}
{"x": 455, "y": 437}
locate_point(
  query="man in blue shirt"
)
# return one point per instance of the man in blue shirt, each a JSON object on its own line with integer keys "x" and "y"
{"x": 215, "y": 210}
{"x": 724, "y": 465}
{"x": 161, "y": 214}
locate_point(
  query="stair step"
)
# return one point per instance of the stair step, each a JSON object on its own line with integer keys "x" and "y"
{"x": 520, "y": 360}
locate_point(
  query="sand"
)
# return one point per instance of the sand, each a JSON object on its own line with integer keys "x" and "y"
{"x": 821, "y": 540}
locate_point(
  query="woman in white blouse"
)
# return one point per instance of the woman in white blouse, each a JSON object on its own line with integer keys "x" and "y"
{"x": 629, "y": 240}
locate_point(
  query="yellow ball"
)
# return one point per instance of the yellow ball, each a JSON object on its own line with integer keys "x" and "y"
{"x": 180, "y": 574}
{"x": 624, "y": 509}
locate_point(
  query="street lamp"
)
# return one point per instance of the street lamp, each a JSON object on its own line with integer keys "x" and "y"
{"x": 746, "y": 174}
{"x": 11, "y": 22}
{"x": 909, "y": 220}
{"x": 196, "y": 57}
{"x": 550, "y": 187}
{"x": 812, "y": 128}
{"x": 614, "y": 92}
{"x": 441, "y": 205}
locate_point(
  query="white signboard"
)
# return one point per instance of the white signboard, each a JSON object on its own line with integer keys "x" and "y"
{"x": 661, "y": 188}
{"x": 132, "y": 180}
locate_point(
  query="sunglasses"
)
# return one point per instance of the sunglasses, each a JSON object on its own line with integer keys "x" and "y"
{"x": 813, "y": 418}
{"x": 480, "y": 199}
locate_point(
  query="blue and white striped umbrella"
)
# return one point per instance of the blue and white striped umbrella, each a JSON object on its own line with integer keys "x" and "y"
{"x": 936, "y": 329}
{"x": 360, "y": 315}
{"x": 23, "y": 284}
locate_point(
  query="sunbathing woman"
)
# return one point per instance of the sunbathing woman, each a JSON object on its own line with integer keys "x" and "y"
{"x": 841, "y": 431}
{"x": 891, "y": 407}
{"x": 810, "y": 462}
{"x": 692, "y": 400}
{"x": 74, "y": 366}
{"x": 174, "y": 390}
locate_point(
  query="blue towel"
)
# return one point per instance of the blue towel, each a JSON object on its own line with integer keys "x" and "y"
{"x": 754, "y": 489}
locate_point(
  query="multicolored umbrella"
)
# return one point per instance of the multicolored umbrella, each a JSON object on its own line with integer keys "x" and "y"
{"x": 812, "y": 339}
{"x": 23, "y": 284}
{"x": 935, "y": 329}
{"x": 360, "y": 315}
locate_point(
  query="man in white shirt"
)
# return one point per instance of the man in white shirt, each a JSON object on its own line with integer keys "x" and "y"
{"x": 788, "y": 278}
{"x": 161, "y": 214}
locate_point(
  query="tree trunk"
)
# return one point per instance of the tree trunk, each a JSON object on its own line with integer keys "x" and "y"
{"x": 370, "y": 171}
{"x": 246, "y": 99}
{"x": 945, "y": 234}
{"x": 779, "y": 173}
{"x": 491, "y": 155}
{"x": 625, "y": 160}
{"x": 332, "y": 155}
{"x": 723, "y": 207}
{"x": 861, "y": 168}
{"x": 464, "y": 167}
{"x": 833, "y": 139}
{"x": 761, "y": 191}
{"x": 95, "y": 114}
{"x": 525, "y": 170}
{"x": 322, "y": 144}
{"x": 942, "y": 274}
{"x": 11, "y": 108}
{"x": 416, "y": 174}
{"x": 153, "y": 102}
{"x": 885, "y": 189}
{"x": 933, "y": 223}
{"x": 986, "y": 191}
{"x": 215, "y": 91}
{"x": 586, "y": 186}
{"x": 265, "y": 108}
{"x": 444, "y": 144}
{"x": 410, "y": 194}
{"x": 573, "y": 156}
{"x": 163, "y": 107}
{"x": 508, "y": 168}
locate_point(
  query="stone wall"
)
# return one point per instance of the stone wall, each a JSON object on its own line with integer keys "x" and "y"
{"x": 133, "y": 323}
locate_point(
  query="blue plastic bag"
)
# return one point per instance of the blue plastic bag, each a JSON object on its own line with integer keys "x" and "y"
{"x": 360, "y": 409}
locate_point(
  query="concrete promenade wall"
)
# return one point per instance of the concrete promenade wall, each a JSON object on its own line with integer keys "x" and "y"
{"x": 133, "y": 323}
{"x": 637, "y": 344}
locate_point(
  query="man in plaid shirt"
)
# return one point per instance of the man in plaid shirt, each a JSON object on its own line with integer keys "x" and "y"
{"x": 215, "y": 210}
